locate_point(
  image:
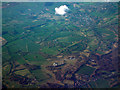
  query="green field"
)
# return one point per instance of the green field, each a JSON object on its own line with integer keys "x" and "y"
{"x": 36, "y": 36}
{"x": 85, "y": 70}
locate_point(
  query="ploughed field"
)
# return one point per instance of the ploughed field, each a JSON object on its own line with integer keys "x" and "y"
{"x": 44, "y": 50}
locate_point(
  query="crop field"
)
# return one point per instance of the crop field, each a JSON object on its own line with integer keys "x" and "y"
{"x": 45, "y": 50}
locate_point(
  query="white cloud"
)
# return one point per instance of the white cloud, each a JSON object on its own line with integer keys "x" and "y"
{"x": 61, "y": 10}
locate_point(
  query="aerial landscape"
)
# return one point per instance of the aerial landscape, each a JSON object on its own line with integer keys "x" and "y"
{"x": 60, "y": 45}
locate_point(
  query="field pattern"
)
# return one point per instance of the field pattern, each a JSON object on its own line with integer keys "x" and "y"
{"x": 44, "y": 50}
